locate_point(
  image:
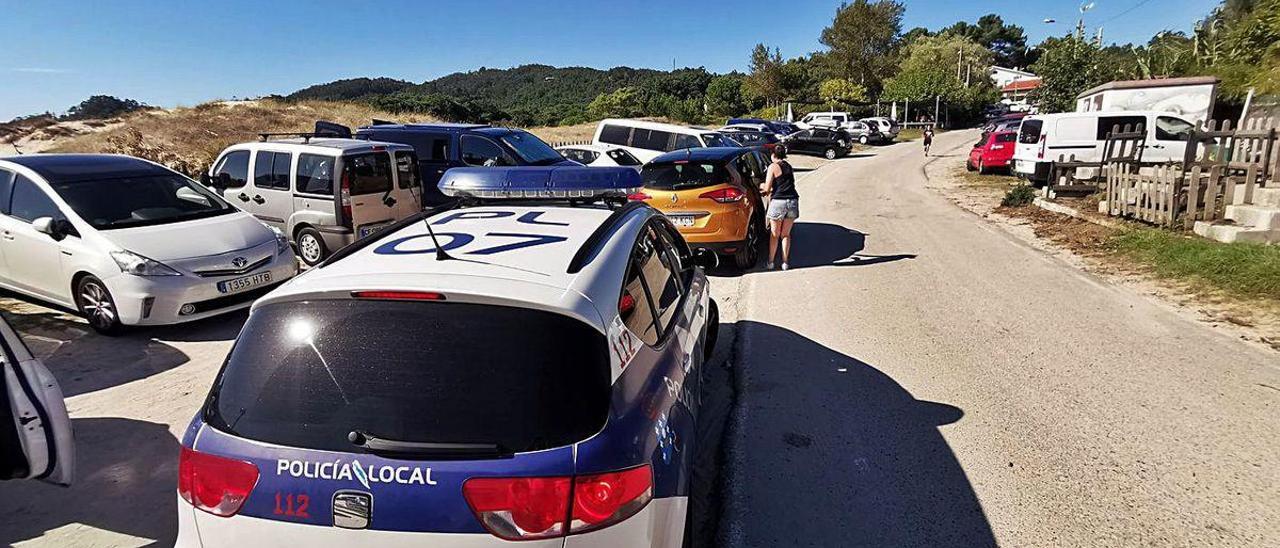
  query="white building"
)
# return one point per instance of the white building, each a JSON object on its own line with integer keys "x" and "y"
{"x": 1004, "y": 76}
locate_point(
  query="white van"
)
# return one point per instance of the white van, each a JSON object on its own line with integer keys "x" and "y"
{"x": 322, "y": 193}
{"x": 1044, "y": 137}
{"x": 648, "y": 140}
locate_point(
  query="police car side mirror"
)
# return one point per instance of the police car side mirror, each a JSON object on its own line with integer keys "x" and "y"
{"x": 706, "y": 259}
{"x": 48, "y": 226}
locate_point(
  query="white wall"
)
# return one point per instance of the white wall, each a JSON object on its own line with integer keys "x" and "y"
{"x": 1192, "y": 103}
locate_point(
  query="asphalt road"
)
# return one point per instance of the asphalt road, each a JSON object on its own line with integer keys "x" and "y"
{"x": 920, "y": 378}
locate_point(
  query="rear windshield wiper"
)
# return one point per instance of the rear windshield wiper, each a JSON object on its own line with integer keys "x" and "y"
{"x": 422, "y": 449}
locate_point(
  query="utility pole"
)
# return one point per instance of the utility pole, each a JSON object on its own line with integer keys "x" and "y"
{"x": 937, "y": 103}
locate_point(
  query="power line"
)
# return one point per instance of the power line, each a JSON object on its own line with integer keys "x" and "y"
{"x": 1125, "y": 12}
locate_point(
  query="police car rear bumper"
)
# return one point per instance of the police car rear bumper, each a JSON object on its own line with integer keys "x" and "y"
{"x": 659, "y": 524}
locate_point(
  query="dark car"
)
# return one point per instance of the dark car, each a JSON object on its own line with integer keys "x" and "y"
{"x": 829, "y": 143}
{"x": 778, "y": 127}
{"x": 760, "y": 139}
{"x": 444, "y": 146}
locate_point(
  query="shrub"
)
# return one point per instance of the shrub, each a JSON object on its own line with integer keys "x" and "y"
{"x": 1019, "y": 196}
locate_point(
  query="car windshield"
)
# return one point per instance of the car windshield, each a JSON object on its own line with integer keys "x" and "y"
{"x": 531, "y": 149}
{"x": 140, "y": 201}
{"x": 306, "y": 374}
{"x": 681, "y": 175}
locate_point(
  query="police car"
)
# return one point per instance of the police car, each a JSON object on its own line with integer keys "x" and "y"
{"x": 519, "y": 369}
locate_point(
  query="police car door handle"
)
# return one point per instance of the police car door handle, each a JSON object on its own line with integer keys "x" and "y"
{"x": 384, "y": 446}
{"x": 243, "y": 197}
{"x": 258, "y": 199}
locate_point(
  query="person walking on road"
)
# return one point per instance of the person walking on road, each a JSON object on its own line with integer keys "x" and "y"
{"x": 784, "y": 205}
{"x": 928, "y": 139}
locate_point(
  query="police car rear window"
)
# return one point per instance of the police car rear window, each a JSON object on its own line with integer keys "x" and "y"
{"x": 308, "y": 374}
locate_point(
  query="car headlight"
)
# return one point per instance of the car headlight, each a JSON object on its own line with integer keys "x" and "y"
{"x": 282, "y": 241}
{"x": 132, "y": 263}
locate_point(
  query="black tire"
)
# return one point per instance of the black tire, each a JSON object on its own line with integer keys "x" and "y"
{"x": 749, "y": 254}
{"x": 830, "y": 154}
{"x": 969, "y": 165}
{"x": 95, "y": 303}
{"x": 311, "y": 248}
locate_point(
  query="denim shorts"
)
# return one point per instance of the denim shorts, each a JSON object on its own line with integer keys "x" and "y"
{"x": 783, "y": 208}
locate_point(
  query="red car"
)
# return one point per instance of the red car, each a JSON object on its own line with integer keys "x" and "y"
{"x": 995, "y": 150}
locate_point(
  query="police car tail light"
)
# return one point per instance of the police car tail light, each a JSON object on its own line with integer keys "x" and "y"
{"x": 520, "y": 508}
{"x": 215, "y": 484}
{"x": 726, "y": 195}
{"x": 398, "y": 295}
{"x": 638, "y": 196}
{"x": 601, "y": 500}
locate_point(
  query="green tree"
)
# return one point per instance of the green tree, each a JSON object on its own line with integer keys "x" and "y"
{"x": 102, "y": 106}
{"x": 947, "y": 66}
{"x": 764, "y": 84}
{"x": 1008, "y": 43}
{"x": 621, "y": 103}
{"x": 839, "y": 90}
{"x": 1068, "y": 66}
{"x": 863, "y": 39}
{"x": 724, "y": 95}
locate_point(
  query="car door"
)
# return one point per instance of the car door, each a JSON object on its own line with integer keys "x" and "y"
{"x": 433, "y": 160}
{"x": 370, "y": 184}
{"x": 35, "y": 431}
{"x": 39, "y": 271}
{"x": 269, "y": 197}
{"x": 6, "y": 186}
{"x": 230, "y": 176}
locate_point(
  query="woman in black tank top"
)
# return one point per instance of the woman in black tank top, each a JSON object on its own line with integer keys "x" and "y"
{"x": 784, "y": 205}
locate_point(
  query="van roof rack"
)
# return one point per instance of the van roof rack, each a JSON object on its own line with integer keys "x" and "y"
{"x": 306, "y": 136}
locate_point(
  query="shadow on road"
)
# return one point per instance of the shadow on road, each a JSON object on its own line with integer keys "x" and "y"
{"x": 127, "y": 486}
{"x": 826, "y": 450}
{"x": 84, "y": 361}
{"x": 825, "y": 244}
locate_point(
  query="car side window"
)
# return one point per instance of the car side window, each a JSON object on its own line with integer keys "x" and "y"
{"x": 660, "y": 276}
{"x": 407, "y": 169}
{"x": 315, "y": 174}
{"x": 236, "y": 166}
{"x": 615, "y": 135}
{"x": 635, "y": 306}
{"x": 263, "y": 173}
{"x": 481, "y": 152}
{"x": 6, "y": 188}
{"x": 280, "y": 170}
{"x": 681, "y": 257}
{"x": 1107, "y": 123}
{"x": 686, "y": 141}
{"x": 30, "y": 203}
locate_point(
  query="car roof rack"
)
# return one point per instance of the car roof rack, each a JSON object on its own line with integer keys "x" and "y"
{"x": 306, "y": 136}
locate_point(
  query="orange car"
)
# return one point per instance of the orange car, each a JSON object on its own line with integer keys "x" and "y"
{"x": 712, "y": 195}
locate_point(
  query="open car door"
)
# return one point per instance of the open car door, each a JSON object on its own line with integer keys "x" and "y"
{"x": 35, "y": 432}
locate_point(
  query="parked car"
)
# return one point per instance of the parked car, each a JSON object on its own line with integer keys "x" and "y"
{"x": 323, "y": 193}
{"x": 36, "y": 441}
{"x": 441, "y": 147}
{"x": 778, "y": 127}
{"x": 648, "y": 140}
{"x": 993, "y": 151}
{"x": 828, "y": 143}
{"x": 125, "y": 241}
{"x": 543, "y": 388}
{"x": 749, "y": 138}
{"x": 599, "y": 156}
{"x": 887, "y": 127}
{"x": 857, "y": 130}
{"x": 712, "y": 195}
{"x": 1008, "y": 122}
{"x": 1044, "y": 137}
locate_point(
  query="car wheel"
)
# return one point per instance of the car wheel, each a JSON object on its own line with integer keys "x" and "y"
{"x": 968, "y": 165}
{"x": 749, "y": 253}
{"x": 864, "y": 140}
{"x": 830, "y": 153}
{"x": 311, "y": 246}
{"x": 96, "y": 305}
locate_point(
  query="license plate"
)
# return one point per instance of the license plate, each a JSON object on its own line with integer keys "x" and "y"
{"x": 370, "y": 229}
{"x": 247, "y": 282}
{"x": 681, "y": 220}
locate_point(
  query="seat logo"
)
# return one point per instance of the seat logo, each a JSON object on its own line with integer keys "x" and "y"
{"x": 352, "y": 509}
{"x": 239, "y": 262}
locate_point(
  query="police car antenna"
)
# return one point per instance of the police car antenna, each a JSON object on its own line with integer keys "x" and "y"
{"x": 441, "y": 254}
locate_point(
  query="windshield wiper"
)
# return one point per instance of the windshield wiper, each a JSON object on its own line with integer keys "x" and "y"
{"x": 423, "y": 449}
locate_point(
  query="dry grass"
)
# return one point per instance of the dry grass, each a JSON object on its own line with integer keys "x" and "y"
{"x": 189, "y": 139}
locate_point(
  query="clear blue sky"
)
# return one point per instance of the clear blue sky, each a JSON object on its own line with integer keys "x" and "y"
{"x": 169, "y": 53}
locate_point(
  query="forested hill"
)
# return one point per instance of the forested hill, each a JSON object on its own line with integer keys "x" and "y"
{"x": 535, "y": 93}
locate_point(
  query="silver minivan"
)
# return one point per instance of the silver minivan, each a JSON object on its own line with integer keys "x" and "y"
{"x": 323, "y": 193}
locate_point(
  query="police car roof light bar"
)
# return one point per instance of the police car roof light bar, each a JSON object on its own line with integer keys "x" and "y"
{"x": 575, "y": 184}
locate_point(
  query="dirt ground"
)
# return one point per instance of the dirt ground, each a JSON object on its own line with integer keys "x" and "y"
{"x": 1084, "y": 244}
